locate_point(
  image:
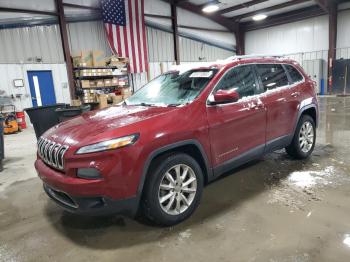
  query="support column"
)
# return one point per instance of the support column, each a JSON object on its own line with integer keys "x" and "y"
{"x": 333, "y": 17}
{"x": 65, "y": 45}
{"x": 175, "y": 32}
{"x": 240, "y": 43}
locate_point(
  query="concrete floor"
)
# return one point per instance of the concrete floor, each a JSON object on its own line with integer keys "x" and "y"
{"x": 275, "y": 209}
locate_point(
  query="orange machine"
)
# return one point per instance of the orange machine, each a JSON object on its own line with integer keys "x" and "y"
{"x": 10, "y": 120}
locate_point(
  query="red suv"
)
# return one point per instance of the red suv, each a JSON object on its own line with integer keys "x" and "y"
{"x": 156, "y": 151}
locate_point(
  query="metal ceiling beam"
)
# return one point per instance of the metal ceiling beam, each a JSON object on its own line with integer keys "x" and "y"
{"x": 197, "y": 9}
{"x": 240, "y": 6}
{"x": 269, "y": 9}
{"x": 323, "y": 4}
{"x": 285, "y": 18}
{"x": 82, "y": 6}
{"x": 27, "y": 11}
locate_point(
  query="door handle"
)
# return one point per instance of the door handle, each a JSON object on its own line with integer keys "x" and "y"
{"x": 295, "y": 94}
{"x": 257, "y": 106}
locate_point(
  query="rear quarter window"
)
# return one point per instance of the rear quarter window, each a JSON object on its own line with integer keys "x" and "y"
{"x": 294, "y": 74}
{"x": 272, "y": 76}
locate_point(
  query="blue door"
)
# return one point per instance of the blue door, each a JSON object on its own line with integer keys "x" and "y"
{"x": 41, "y": 88}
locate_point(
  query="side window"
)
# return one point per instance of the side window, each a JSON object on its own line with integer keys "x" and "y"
{"x": 240, "y": 78}
{"x": 272, "y": 76}
{"x": 294, "y": 74}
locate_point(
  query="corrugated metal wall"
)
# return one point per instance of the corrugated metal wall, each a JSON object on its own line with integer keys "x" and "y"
{"x": 88, "y": 36}
{"x": 160, "y": 45}
{"x": 195, "y": 51}
{"x": 27, "y": 44}
{"x": 31, "y": 44}
{"x": 303, "y": 36}
{"x": 161, "y": 48}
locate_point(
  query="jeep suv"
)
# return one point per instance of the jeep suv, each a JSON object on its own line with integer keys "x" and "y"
{"x": 153, "y": 154}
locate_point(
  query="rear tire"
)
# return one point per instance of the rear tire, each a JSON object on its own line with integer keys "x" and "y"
{"x": 304, "y": 139}
{"x": 173, "y": 189}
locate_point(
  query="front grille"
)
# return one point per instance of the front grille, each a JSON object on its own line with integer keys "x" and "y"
{"x": 52, "y": 153}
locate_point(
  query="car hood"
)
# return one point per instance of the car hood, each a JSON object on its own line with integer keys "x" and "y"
{"x": 101, "y": 124}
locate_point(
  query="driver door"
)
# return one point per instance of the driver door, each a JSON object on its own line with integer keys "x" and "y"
{"x": 237, "y": 129}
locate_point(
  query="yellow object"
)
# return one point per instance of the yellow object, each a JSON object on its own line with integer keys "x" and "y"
{"x": 11, "y": 125}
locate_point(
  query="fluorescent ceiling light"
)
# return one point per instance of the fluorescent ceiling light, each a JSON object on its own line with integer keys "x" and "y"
{"x": 211, "y": 7}
{"x": 259, "y": 17}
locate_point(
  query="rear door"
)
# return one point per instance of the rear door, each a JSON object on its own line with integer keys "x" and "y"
{"x": 274, "y": 81}
{"x": 235, "y": 128}
{"x": 293, "y": 96}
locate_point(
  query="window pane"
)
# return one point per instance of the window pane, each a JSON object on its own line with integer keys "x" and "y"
{"x": 240, "y": 78}
{"x": 272, "y": 76}
{"x": 294, "y": 74}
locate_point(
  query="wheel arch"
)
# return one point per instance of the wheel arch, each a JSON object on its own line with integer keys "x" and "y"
{"x": 310, "y": 110}
{"x": 191, "y": 147}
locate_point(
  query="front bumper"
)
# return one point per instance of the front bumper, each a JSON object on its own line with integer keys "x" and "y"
{"x": 92, "y": 206}
{"x": 85, "y": 197}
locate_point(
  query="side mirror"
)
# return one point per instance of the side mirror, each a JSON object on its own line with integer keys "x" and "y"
{"x": 224, "y": 96}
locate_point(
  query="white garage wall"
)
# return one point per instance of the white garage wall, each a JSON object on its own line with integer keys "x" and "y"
{"x": 343, "y": 37}
{"x": 9, "y": 72}
{"x": 303, "y": 36}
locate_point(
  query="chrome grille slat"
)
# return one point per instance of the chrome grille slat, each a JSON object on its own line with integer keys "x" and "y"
{"x": 52, "y": 153}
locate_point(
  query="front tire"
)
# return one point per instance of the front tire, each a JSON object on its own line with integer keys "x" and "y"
{"x": 173, "y": 189}
{"x": 304, "y": 139}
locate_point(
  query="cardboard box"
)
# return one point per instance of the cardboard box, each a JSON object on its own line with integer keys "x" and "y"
{"x": 84, "y": 83}
{"x": 98, "y": 58}
{"x": 108, "y": 82}
{"x": 100, "y": 83}
{"x": 75, "y": 102}
{"x": 115, "y": 82}
{"x": 85, "y": 72}
{"x": 102, "y": 101}
{"x": 92, "y": 83}
{"x": 82, "y": 58}
{"x": 117, "y": 99}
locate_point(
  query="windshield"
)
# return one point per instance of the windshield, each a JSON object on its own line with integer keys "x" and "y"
{"x": 172, "y": 89}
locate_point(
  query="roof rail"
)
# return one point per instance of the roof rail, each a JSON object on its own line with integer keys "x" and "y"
{"x": 252, "y": 56}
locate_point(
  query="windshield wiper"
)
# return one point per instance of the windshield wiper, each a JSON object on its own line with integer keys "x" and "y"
{"x": 144, "y": 104}
{"x": 173, "y": 105}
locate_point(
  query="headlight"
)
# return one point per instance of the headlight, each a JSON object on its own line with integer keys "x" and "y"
{"x": 108, "y": 145}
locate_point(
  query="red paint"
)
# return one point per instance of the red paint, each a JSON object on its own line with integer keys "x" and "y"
{"x": 224, "y": 131}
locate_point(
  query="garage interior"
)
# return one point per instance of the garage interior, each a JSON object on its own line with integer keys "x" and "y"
{"x": 272, "y": 209}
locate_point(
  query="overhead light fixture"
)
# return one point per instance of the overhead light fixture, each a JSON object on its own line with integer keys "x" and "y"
{"x": 211, "y": 7}
{"x": 259, "y": 17}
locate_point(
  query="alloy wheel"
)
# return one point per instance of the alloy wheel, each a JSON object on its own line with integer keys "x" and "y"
{"x": 177, "y": 189}
{"x": 306, "y": 137}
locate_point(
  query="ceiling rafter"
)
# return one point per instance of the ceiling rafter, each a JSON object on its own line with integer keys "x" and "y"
{"x": 269, "y": 9}
{"x": 324, "y": 4}
{"x": 224, "y": 21}
{"x": 284, "y": 18}
{"x": 240, "y": 6}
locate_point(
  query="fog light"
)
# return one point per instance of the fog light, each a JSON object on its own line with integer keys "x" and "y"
{"x": 88, "y": 173}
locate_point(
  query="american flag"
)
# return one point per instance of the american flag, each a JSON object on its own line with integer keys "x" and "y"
{"x": 125, "y": 26}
